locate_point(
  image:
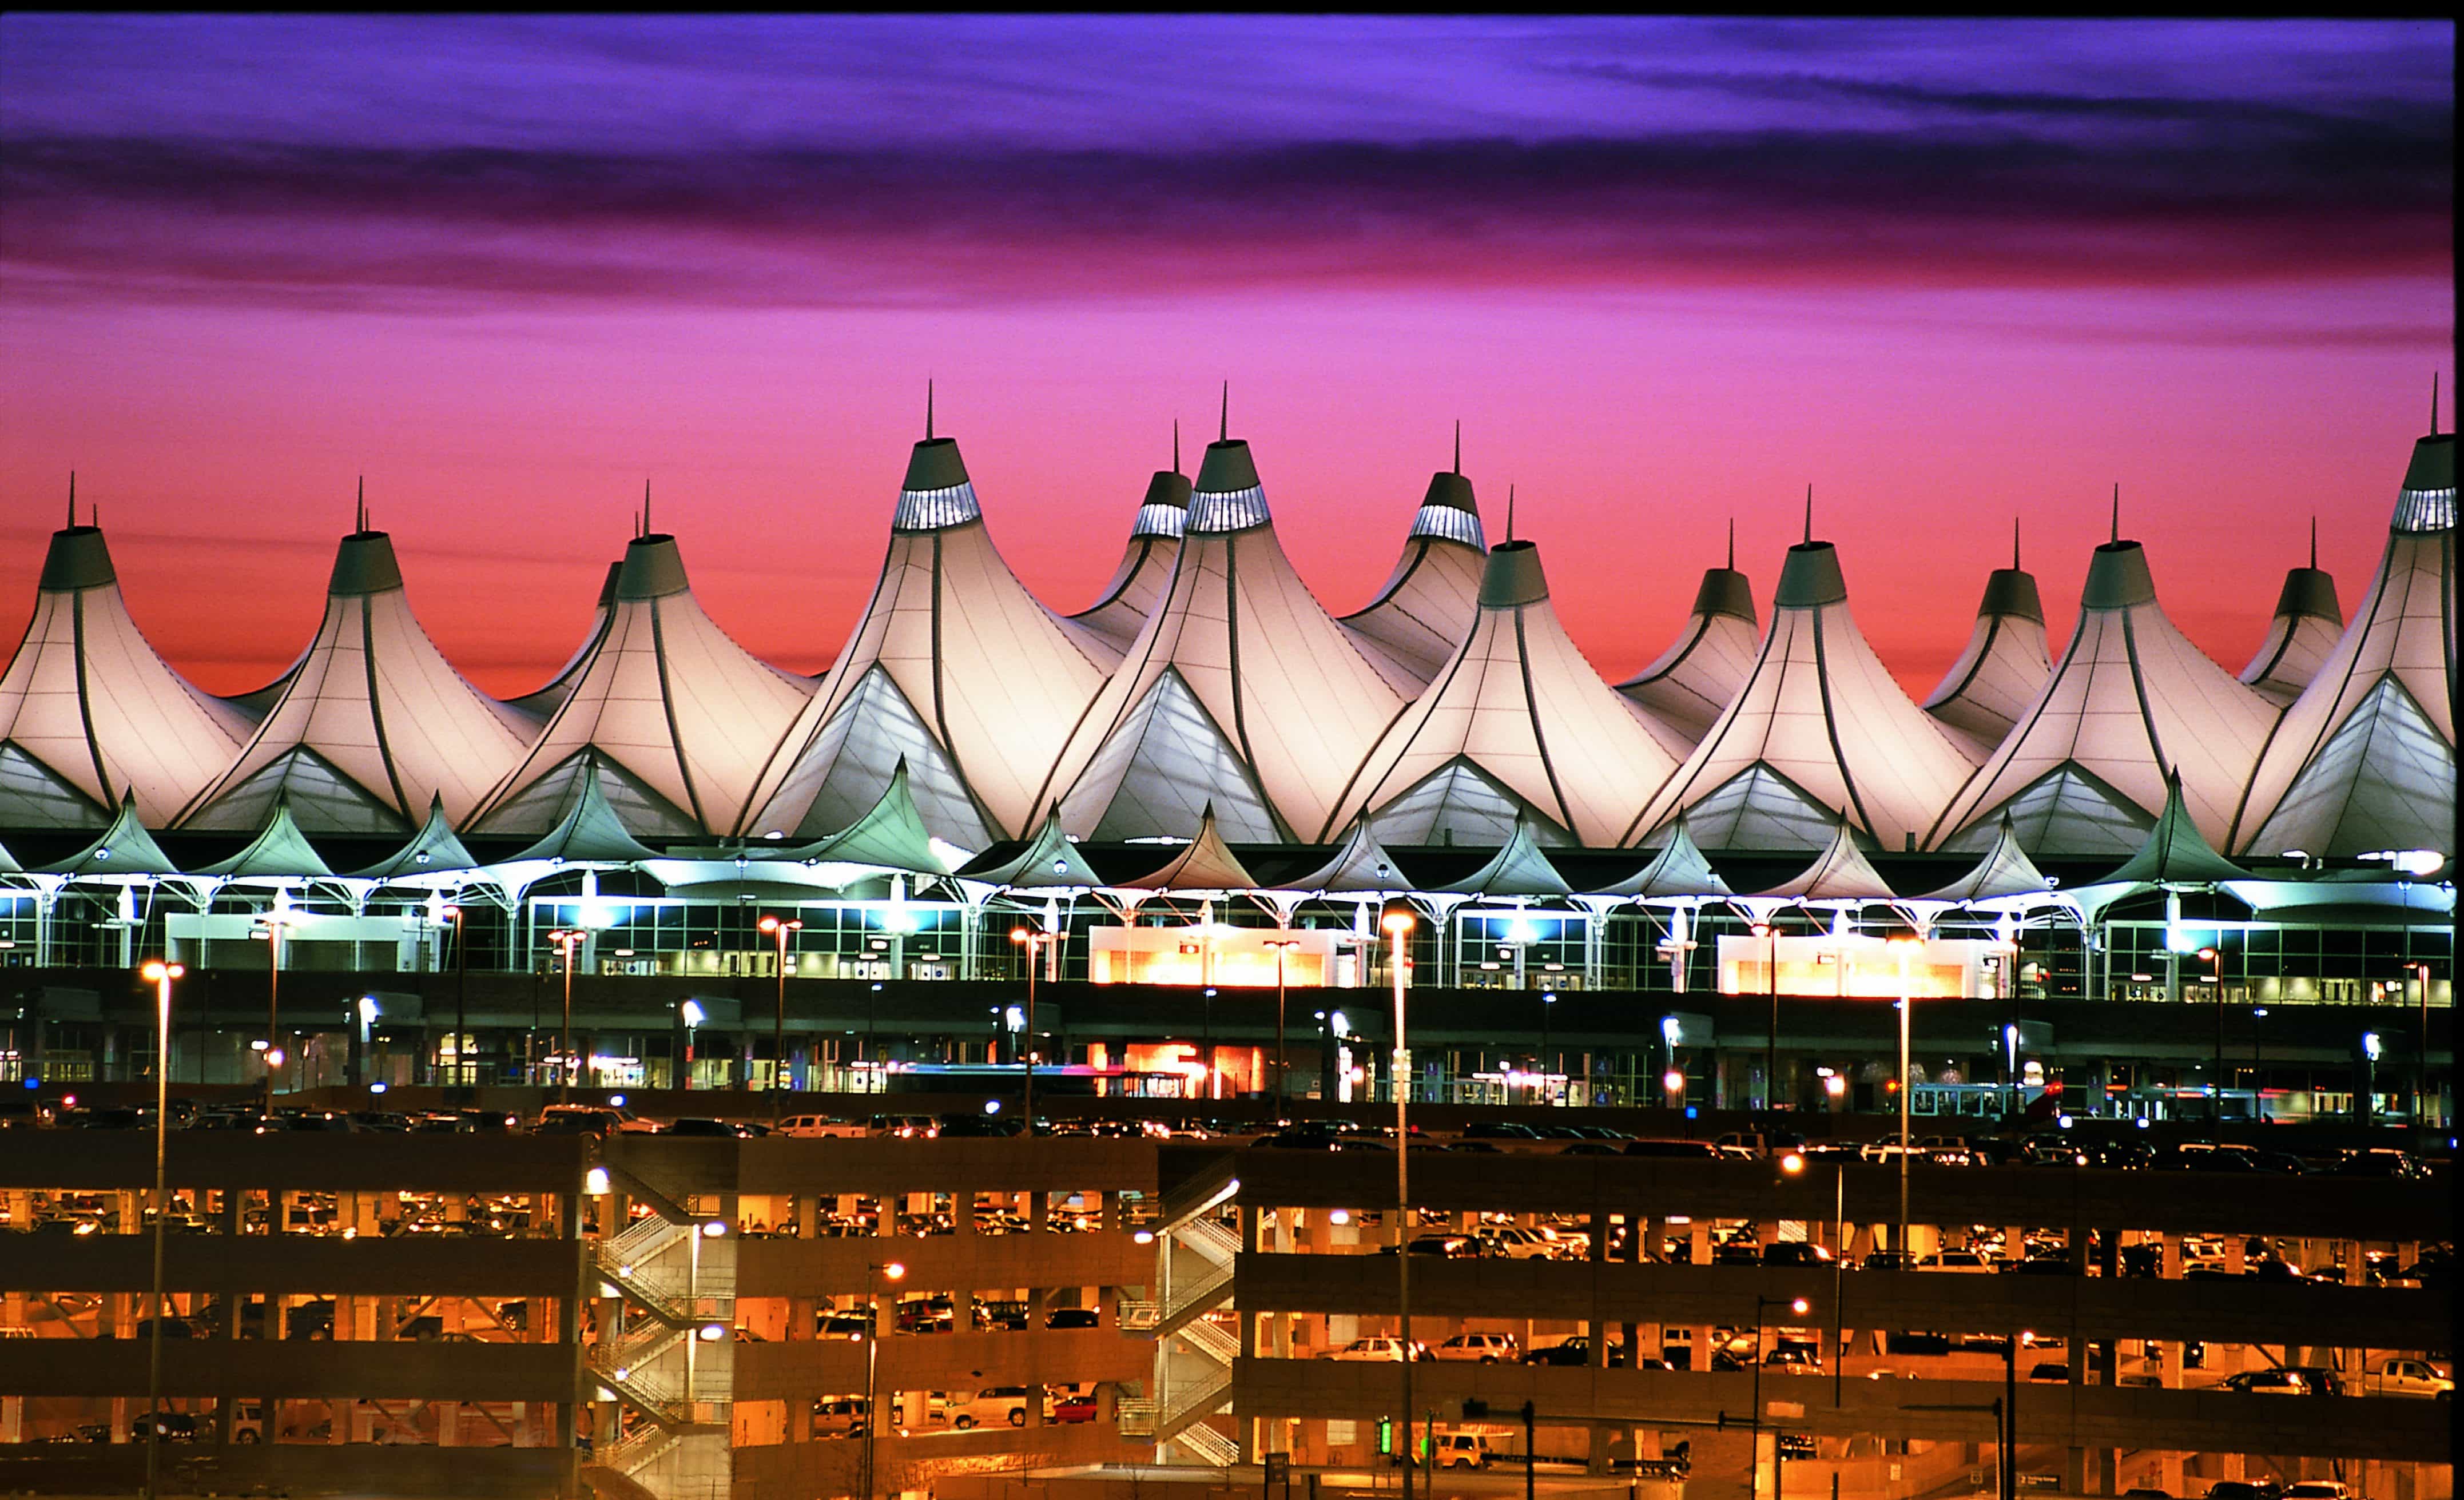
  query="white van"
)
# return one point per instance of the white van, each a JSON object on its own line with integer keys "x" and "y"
{"x": 992, "y": 1409}
{"x": 814, "y": 1126}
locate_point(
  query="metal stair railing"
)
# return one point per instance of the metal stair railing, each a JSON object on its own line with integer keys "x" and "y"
{"x": 646, "y": 1393}
{"x": 1193, "y": 1406}
{"x": 1210, "y": 1240}
{"x": 1198, "y": 1194}
{"x": 1211, "y": 1340}
{"x": 640, "y": 1240}
{"x": 1213, "y": 1448}
{"x": 641, "y": 1451}
{"x": 1139, "y": 1317}
{"x": 1201, "y": 1297}
{"x": 1136, "y": 1415}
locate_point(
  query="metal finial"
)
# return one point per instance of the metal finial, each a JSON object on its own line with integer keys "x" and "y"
{"x": 2015, "y": 544}
{"x": 2433, "y": 403}
{"x": 2117, "y": 511}
{"x": 1459, "y": 446}
{"x": 928, "y": 409}
{"x": 1223, "y": 429}
{"x": 1809, "y": 515}
{"x": 362, "y": 508}
{"x": 1509, "y": 513}
{"x": 1175, "y": 445}
{"x": 1732, "y": 543}
{"x": 73, "y": 499}
{"x": 2313, "y": 543}
{"x": 645, "y": 505}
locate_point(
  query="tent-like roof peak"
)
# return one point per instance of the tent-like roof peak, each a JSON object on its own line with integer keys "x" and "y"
{"x": 1724, "y": 590}
{"x": 2428, "y": 502}
{"x": 364, "y": 563}
{"x": 1513, "y": 577}
{"x": 1811, "y": 577}
{"x": 2309, "y": 592}
{"x": 2012, "y": 591}
{"x": 1227, "y": 468}
{"x": 653, "y": 568}
{"x": 2118, "y": 576}
{"x": 79, "y": 559}
{"x": 935, "y": 465}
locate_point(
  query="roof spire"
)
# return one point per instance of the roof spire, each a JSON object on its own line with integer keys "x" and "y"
{"x": 2433, "y": 403}
{"x": 1732, "y": 543}
{"x": 1509, "y": 513}
{"x": 361, "y": 509}
{"x": 1809, "y": 515}
{"x": 72, "y": 500}
{"x": 1175, "y": 445}
{"x": 645, "y": 505}
{"x": 2314, "y": 541}
{"x": 1224, "y": 433}
{"x": 1459, "y": 440}
{"x": 2117, "y": 511}
{"x": 928, "y": 409}
{"x": 2015, "y": 544}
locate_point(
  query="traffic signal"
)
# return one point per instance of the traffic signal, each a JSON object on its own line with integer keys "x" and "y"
{"x": 1386, "y": 1435}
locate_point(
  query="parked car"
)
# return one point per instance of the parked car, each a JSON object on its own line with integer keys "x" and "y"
{"x": 1697, "y": 1150}
{"x": 2267, "y": 1382}
{"x": 1480, "y": 1349}
{"x": 2415, "y": 1378}
{"x": 1462, "y": 1451}
{"x": 1796, "y": 1252}
{"x": 1379, "y": 1348}
{"x": 817, "y": 1126}
{"x": 1966, "y": 1262}
{"x": 991, "y": 1408}
{"x": 1072, "y": 1409}
{"x": 2317, "y": 1489}
{"x": 1070, "y": 1318}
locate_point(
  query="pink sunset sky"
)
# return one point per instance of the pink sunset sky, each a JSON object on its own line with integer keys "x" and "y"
{"x": 1666, "y": 273}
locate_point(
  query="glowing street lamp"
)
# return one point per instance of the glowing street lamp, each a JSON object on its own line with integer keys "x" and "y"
{"x": 1035, "y": 943}
{"x": 1797, "y": 1305}
{"x": 780, "y": 931}
{"x": 1281, "y": 947}
{"x": 1397, "y": 921}
{"x": 159, "y": 973}
{"x": 891, "y": 1270}
{"x": 566, "y": 938}
{"x": 269, "y": 927}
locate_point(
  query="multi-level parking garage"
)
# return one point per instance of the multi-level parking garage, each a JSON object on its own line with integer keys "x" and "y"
{"x": 527, "y": 1315}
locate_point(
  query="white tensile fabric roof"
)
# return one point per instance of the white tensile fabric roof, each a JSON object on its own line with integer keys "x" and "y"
{"x": 2083, "y": 773}
{"x": 2303, "y": 633}
{"x": 1427, "y": 605}
{"x": 1138, "y": 585}
{"x": 1818, "y": 725}
{"x": 2365, "y": 760}
{"x": 1240, "y": 692}
{"x": 1516, "y": 726}
{"x": 544, "y": 700}
{"x": 679, "y": 715}
{"x": 370, "y": 724}
{"x": 1703, "y": 669}
{"x": 1840, "y": 873}
{"x": 2003, "y": 669}
{"x": 88, "y": 712}
{"x": 953, "y": 666}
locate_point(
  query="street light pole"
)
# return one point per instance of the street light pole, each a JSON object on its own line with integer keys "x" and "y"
{"x": 1770, "y": 1041}
{"x": 568, "y": 939}
{"x": 1754, "y": 1479}
{"x": 1398, "y": 920}
{"x": 893, "y": 1270}
{"x": 1548, "y": 1069}
{"x": 2216, "y": 1112}
{"x": 2421, "y": 1053}
{"x": 1905, "y": 948}
{"x": 461, "y": 995}
{"x": 778, "y": 931}
{"x": 272, "y": 923}
{"x": 161, "y": 974}
{"x": 1034, "y": 942}
{"x": 1281, "y": 947}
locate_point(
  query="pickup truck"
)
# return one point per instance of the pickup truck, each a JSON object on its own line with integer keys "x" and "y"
{"x": 2417, "y": 1378}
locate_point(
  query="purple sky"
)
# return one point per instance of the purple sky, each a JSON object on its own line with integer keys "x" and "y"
{"x": 1667, "y": 271}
